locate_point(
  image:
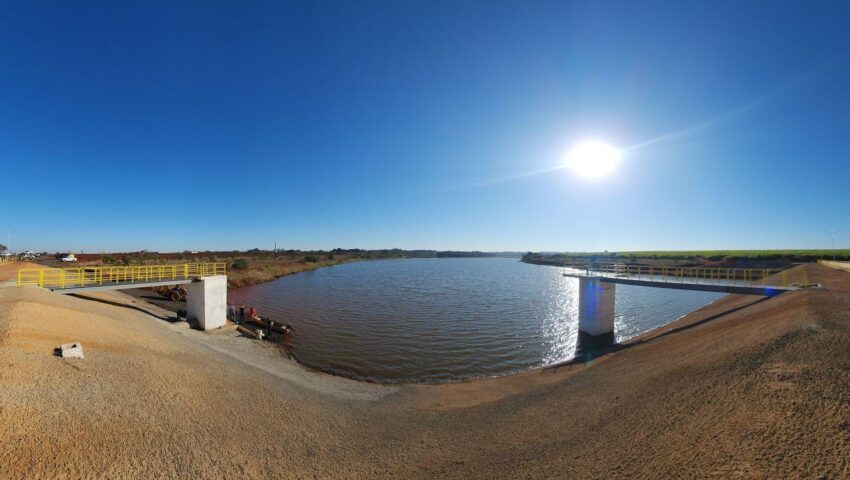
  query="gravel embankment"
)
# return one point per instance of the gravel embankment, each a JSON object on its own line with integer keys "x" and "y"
{"x": 740, "y": 388}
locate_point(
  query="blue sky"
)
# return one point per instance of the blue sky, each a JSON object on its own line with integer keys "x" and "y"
{"x": 171, "y": 126}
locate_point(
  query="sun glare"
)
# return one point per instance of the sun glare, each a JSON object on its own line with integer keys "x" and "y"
{"x": 593, "y": 159}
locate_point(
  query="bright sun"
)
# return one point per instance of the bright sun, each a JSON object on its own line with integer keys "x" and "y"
{"x": 593, "y": 159}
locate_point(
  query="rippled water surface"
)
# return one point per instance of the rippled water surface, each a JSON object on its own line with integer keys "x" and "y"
{"x": 430, "y": 320}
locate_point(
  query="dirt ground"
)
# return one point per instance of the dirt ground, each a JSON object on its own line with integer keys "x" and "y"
{"x": 156, "y": 299}
{"x": 743, "y": 388}
{"x": 9, "y": 271}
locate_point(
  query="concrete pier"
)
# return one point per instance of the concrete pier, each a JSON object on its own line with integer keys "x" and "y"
{"x": 206, "y": 301}
{"x": 596, "y": 299}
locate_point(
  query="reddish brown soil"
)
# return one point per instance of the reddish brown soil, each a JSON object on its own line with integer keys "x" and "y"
{"x": 9, "y": 271}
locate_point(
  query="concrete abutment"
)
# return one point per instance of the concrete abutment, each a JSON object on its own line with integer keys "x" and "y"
{"x": 206, "y": 301}
{"x": 596, "y": 300}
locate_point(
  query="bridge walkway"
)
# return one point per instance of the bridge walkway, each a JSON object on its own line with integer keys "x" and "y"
{"x": 80, "y": 279}
{"x": 722, "y": 280}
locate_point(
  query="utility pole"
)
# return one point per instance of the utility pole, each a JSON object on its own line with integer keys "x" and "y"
{"x": 10, "y": 232}
{"x": 832, "y": 235}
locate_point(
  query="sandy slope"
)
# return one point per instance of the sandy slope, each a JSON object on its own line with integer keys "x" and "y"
{"x": 761, "y": 392}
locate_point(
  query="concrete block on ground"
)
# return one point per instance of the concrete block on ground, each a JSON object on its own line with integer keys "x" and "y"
{"x": 206, "y": 302}
{"x": 70, "y": 350}
{"x": 258, "y": 334}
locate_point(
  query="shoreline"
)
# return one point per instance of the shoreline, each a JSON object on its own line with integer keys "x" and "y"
{"x": 153, "y": 299}
{"x": 323, "y": 264}
{"x": 156, "y": 301}
{"x": 740, "y": 387}
{"x": 269, "y": 273}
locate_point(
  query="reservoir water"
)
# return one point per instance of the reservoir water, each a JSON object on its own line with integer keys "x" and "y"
{"x": 445, "y": 319}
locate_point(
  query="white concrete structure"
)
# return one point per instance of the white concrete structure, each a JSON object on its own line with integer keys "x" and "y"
{"x": 206, "y": 301}
{"x": 595, "y": 306}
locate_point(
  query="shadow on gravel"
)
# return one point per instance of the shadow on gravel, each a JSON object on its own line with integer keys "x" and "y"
{"x": 171, "y": 319}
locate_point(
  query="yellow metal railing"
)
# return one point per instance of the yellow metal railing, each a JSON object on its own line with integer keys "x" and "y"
{"x": 715, "y": 275}
{"x": 94, "y": 276}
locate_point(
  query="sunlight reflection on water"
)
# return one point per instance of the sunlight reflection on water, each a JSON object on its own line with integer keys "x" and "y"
{"x": 432, "y": 320}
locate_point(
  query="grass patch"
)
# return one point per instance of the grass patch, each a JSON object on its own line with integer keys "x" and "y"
{"x": 239, "y": 264}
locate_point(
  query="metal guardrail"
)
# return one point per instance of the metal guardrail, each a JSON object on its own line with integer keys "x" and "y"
{"x": 94, "y": 276}
{"x": 708, "y": 275}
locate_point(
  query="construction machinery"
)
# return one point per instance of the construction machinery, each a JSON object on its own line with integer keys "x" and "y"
{"x": 175, "y": 293}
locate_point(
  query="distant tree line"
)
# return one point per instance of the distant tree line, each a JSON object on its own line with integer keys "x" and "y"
{"x": 453, "y": 253}
{"x": 709, "y": 255}
{"x": 400, "y": 253}
{"x": 312, "y": 256}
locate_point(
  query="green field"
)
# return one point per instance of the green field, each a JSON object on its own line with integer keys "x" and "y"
{"x": 796, "y": 255}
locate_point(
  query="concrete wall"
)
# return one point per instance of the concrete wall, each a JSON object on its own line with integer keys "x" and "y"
{"x": 596, "y": 306}
{"x": 206, "y": 302}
